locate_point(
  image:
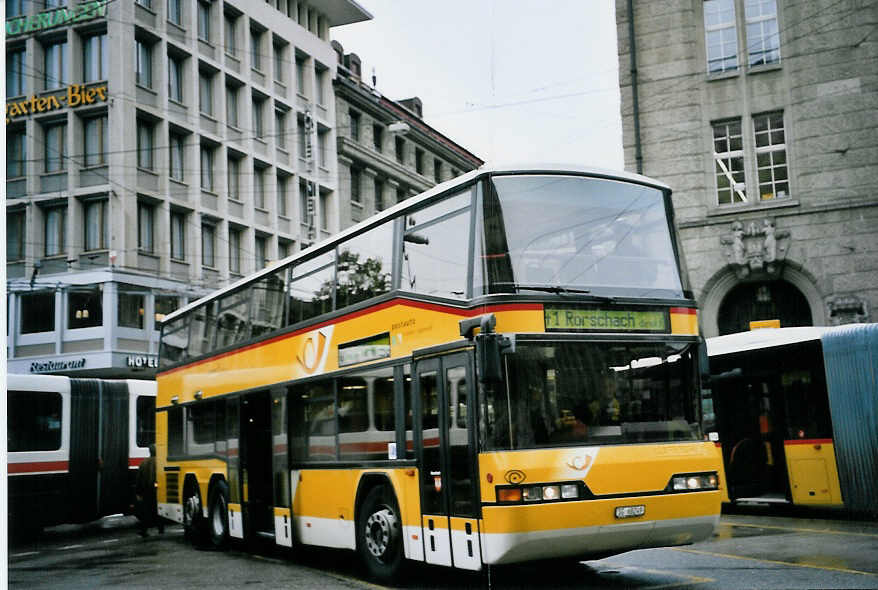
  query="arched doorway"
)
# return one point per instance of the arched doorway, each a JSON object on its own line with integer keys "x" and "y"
{"x": 763, "y": 300}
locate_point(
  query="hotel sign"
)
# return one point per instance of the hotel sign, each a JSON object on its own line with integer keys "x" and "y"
{"x": 77, "y": 95}
{"x": 50, "y": 19}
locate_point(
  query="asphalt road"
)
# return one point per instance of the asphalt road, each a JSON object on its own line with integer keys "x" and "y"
{"x": 748, "y": 551}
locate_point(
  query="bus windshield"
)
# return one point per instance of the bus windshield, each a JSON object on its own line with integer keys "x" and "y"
{"x": 603, "y": 237}
{"x": 569, "y": 393}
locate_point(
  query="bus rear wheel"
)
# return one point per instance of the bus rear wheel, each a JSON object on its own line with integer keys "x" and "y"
{"x": 193, "y": 519}
{"x": 379, "y": 534}
{"x": 219, "y": 515}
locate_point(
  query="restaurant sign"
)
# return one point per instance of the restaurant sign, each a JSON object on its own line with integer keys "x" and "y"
{"x": 77, "y": 95}
{"x": 50, "y": 19}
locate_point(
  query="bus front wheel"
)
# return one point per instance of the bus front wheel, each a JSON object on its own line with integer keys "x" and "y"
{"x": 219, "y": 514}
{"x": 379, "y": 534}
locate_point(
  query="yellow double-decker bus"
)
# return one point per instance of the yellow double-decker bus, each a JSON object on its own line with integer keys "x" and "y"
{"x": 504, "y": 368}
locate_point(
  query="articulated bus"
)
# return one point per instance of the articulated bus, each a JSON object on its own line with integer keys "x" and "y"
{"x": 504, "y": 368}
{"x": 795, "y": 411}
{"x": 74, "y": 446}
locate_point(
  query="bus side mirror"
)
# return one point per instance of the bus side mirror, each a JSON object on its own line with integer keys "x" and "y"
{"x": 489, "y": 347}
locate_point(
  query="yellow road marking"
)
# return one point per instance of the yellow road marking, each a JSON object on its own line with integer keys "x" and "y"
{"x": 775, "y": 562}
{"x": 798, "y": 530}
{"x": 693, "y": 579}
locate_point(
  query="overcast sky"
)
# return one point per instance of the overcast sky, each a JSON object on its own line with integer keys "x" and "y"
{"x": 510, "y": 80}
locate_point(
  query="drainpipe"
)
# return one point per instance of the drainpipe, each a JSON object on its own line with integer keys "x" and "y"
{"x": 632, "y": 50}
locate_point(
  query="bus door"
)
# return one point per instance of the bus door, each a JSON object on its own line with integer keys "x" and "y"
{"x": 256, "y": 464}
{"x": 449, "y": 508}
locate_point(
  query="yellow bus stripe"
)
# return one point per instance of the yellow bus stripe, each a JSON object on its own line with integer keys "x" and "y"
{"x": 775, "y": 562}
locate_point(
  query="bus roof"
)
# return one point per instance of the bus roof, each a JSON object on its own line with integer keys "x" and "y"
{"x": 414, "y": 202}
{"x": 763, "y": 338}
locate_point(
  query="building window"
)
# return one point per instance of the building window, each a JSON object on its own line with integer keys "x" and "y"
{"x": 208, "y": 241}
{"x": 771, "y": 156}
{"x": 55, "y": 230}
{"x": 55, "y": 65}
{"x": 255, "y": 49}
{"x": 130, "y": 309}
{"x": 322, "y": 155}
{"x": 437, "y": 171}
{"x": 145, "y": 227}
{"x": 378, "y": 137}
{"x": 258, "y": 118}
{"x": 301, "y": 84}
{"x": 204, "y": 20}
{"x": 324, "y": 211}
{"x": 282, "y": 208}
{"x": 302, "y": 137}
{"x": 164, "y": 304}
{"x": 284, "y": 249}
{"x": 178, "y": 235}
{"x": 304, "y": 213}
{"x": 379, "y": 195}
{"x": 233, "y": 177}
{"x": 261, "y": 254}
{"x": 85, "y": 308}
{"x": 175, "y": 78}
{"x": 56, "y": 147}
{"x": 321, "y": 73}
{"x": 96, "y": 234}
{"x": 176, "y": 155}
{"x": 94, "y": 58}
{"x": 15, "y": 234}
{"x": 279, "y": 63}
{"x": 15, "y": 65}
{"x": 144, "y": 145}
{"x": 399, "y": 148}
{"x": 37, "y": 312}
{"x": 206, "y": 169}
{"x": 205, "y": 93}
{"x": 419, "y": 160}
{"x": 234, "y": 251}
{"x": 259, "y": 187}
{"x": 15, "y": 8}
{"x": 721, "y": 35}
{"x": 355, "y": 186}
{"x": 280, "y": 128}
{"x": 142, "y": 64}
{"x": 728, "y": 155}
{"x": 232, "y": 106}
{"x": 95, "y": 131}
{"x": 231, "y": 41}
{"x": 763, "y": 40}
{"x": 16, "y": 153}
{"x": 175, "y": 11}
{"x": 355, "y": 126}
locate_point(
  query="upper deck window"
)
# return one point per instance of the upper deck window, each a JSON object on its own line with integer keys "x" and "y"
{"x": 549, "y": 231}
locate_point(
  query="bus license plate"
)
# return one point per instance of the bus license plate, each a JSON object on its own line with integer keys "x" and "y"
{"x": 630, "y": 511}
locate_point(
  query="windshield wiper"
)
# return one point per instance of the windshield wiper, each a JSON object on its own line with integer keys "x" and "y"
{"x": 545, "y": 288}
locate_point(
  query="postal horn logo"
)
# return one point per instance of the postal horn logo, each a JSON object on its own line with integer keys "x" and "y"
{"x": 315, "y": 348}
{"x": 514, "y": 476}
{"x": 583, "y": 460}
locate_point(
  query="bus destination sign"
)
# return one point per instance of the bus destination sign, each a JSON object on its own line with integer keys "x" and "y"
{"x": 605, "y": 320}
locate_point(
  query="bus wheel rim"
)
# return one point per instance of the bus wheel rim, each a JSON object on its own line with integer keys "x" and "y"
{"x": 219, "y": 528}
{"x": 380, "y": 531}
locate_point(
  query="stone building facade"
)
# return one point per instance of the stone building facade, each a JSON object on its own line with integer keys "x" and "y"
{"x": 761, "y": 115}
{"x": 386, "y": 152}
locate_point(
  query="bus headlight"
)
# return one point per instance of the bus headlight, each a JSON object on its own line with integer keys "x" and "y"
{"x": 550, "y": 492}
{"x": 694, "y": 482}
{"x": 569, "y": 491}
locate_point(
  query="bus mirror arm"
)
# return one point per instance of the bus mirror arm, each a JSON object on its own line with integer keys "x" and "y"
{"x": 489, "y": 348}
{"x": 485, "y": 323}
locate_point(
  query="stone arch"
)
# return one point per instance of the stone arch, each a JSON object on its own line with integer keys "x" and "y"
{"x": 723, "y": 281}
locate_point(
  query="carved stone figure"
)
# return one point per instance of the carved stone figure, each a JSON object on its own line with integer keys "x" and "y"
{"x": 755, "y": 248}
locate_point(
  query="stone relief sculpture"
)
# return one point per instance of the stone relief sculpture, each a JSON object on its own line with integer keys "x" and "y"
{"x": 755, "y": 247}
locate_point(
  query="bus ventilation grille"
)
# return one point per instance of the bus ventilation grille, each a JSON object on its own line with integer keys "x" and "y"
{"x": 172, "y": 485}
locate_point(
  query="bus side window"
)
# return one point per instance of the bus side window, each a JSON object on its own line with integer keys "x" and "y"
{"x": 175, "y": 432}
{"x": 37, "y": 423}
{"x": 407, "y": 413}
{"x": 145, "y": 420}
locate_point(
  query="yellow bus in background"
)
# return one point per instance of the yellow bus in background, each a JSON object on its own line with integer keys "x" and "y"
{"x": 502, "y": 369}
{"x": 795, "y": 411}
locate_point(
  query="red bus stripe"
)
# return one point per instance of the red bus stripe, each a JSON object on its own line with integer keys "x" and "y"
{"x": 399, "y": 301}
{"x": 37, "y": 467}
{"x": 684, "y": 310}
{"x": 808, "y": 441}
